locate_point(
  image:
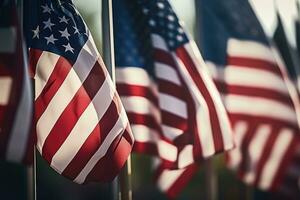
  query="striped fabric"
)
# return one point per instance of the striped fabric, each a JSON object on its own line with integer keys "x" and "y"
{"x": 16, "y": 143}
{"x": 173, "y": 106}
{"x": 257, "y": 92}
{"x": 172, "y": 182}
{"x": 82, "y": 128}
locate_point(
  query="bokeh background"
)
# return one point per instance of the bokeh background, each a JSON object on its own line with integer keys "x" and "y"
{"x": 14, "y": 178}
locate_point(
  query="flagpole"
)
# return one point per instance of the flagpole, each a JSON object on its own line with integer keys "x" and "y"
{"x": 121, "y": 186}
{"x": 211, "y": 179}
{"x": 30, "y": 170}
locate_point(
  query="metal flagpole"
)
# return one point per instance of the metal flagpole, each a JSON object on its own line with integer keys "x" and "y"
{"x": 30, "y": 171}
{"x": 121, "y": 186}
{"x": 211, "y": 179}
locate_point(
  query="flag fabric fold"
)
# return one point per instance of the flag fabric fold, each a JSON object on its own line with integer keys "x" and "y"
{"x": 256, "y": 92}
{"x": 81, "y": 126}
{"x": 16, "y": 141}
{"x": 173, "y": 105}
{"x": 174, "y": 108}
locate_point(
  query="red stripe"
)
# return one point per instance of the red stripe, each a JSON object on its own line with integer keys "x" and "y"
{"x": 73, "y": 111}
{"x": 172, "y": 89}
{"x": 194, "y": 74}
{"x": 175, "y": 121}
{"x": 94, "y": 140}
{"x": 182, "y": 181}
{"x": 136, "y": 90}
{"x": 34, "y": 56}
{"x": 246, "y": 158}
{"x": 110, "y": 165}
{"x": 145, "y": 148}
{"x": 235, "y": 117}
{"x": 290, "y": 159}
{"x": 164, "y": 57}
{"x": 254, "y": 92}
{"x": 147, "y": 120}
{"x": 56, "y": 79}
{"x": 8, "y": 64}
{"x": 267, "y": 150}
{"x": 254, "y": 63}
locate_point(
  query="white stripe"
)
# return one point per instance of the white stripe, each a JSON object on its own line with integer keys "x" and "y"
{"x": 256, "y": 148}
{"x": 144, "y": 134}
{"x": 158, "y": 42}
{"x": 56, "y": 107}
{"x": 44, "y": 68}
{"x": 186, "y": 157}
{"x": 140, "y": 105}
{"x": 133, "y": 76}
{"x": 167, "y": 179}
{"x": 20, "y": 132}
{"x": 224, "y": 122}
{"x": 171, "y": 132}
{"x": 167, "y": 151}
{"x": 118, "y": 129}
{"x": 64, "y": 94}
{"x": 165, "y": 72}
{"x": 257, "y": 106}
{"x": 202, "y": 113}
{"x": 235, "y": 155}
{"x": 250, "y": 49}
{"x": 253, "y": 78}
{"x": 173, "y": 105}
{"x": 279, "y": 149}
{"x": 5, "y": 88}
{"x": 8, "y": 40}
{"x": 84, "y": 126}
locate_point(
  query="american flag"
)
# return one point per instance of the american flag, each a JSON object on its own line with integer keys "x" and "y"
{"x": 256, "y": 91}
{"x": 289, "y": 54}
{"x": 81, "y": 126}
{"x": 173, "y": 106}
{"x": 16, "y": 143}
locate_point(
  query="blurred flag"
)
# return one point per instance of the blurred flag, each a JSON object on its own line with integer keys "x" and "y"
{"x": 82, "y": 128}
{"x": 255, "y": 92}
{"x": 16, "y": 143}
{"x": 173, "y": 181}
{"x": 289, "y": 54}
{"x": 173, "y": 106}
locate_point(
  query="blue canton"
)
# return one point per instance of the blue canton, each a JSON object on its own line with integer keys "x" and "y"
{"x": 221, "y": 20}
{"x": 134, "y": 22}
{"x": 54, "y": 28}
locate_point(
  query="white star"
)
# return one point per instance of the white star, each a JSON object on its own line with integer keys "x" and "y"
{"x": 50, "y": 39}
{"x": 63, "y": 19}
{"x": 36, "y": 32}
{"x": 68, "y": 48}
{"x": 48, "y": 24}
{"x": 65, "y": 33}
{"x": 76, "y": 30}
{"x": 46, "y": 9}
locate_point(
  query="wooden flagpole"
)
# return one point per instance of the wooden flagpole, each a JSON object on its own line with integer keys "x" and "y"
{"x": 211, "y": 179}
{"x": 121, "y": 186}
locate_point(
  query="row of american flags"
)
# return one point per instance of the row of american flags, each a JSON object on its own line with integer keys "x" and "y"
{"x": 236, "y": 93}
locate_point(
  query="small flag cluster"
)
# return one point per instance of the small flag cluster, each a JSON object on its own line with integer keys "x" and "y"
{"x": 241, "y": 98}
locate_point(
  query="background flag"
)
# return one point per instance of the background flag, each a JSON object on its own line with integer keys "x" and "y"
{"x": 173, "y": 106}
{"x": 82, "y": 128}
{"x": 16, "y": 143}
{"x": 255, "y": 92}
